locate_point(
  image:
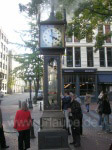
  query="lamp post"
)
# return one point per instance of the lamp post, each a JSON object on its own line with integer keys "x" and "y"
{"x": 30, "y": 77}
{"x": 30, "y": 101}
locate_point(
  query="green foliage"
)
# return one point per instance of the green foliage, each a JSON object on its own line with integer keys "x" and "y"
{"x": 59, "y": 15}
{"x": 11, "y": 81}
{"x": 92, "y": 12}
{"x": 33, "y": 60}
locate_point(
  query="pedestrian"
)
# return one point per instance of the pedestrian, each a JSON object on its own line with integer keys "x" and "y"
{"x": 81, "y": 119}
{"x": 75, "y": 117}
{"x": 106, "y": 111}
{"x": 22, "y": 124}
{"x": 87, "y": 101}
{"x": 66, "y": 100}
{"x": 2, "y": 136}
{"x": 100, "y": 96}
{"x": 99, "y": 109}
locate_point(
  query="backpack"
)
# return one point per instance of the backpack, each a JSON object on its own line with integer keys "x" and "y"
{"x": 76, "y": 110}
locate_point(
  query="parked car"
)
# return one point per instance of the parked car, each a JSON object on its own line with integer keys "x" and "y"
{"x": 1, "y": 94}
{"x": 40, "y": 95}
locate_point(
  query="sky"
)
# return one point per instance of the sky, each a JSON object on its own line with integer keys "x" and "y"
{"x": 11, "y": 19}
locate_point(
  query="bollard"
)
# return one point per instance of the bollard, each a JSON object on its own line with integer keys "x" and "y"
{"x": 32, "y": 135}
{"x": 26, "y": 100}
{"x": 40, "y": 106}
{"x": 19, "y": 104}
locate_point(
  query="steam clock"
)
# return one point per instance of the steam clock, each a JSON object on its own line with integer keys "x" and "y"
{"x": 52, "y": 46}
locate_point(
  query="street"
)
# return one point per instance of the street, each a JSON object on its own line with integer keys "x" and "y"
{"x": 93, "y": 137}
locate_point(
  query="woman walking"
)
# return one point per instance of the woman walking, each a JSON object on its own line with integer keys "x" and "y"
{"x": 87, "y": 101}
{"x": 22, "y": 124}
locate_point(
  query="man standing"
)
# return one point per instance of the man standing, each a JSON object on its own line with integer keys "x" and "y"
{"x": 2, "y": 137}
{"x": 75, "y": 117}
{"x": 66, "y": 100}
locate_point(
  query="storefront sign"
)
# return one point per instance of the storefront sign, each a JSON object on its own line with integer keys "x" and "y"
{"x": 79, "y": 70}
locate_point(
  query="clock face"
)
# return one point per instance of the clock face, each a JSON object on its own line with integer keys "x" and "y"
{"x": 51, "y": 36}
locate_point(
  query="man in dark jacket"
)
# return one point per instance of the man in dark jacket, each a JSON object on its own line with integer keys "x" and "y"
{"x": 75, "y": 117}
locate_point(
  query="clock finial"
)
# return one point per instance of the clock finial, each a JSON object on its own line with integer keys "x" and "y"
{"x": 52, "y": 16}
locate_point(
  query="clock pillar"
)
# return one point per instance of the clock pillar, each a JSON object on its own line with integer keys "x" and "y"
{"x": 52, "y": 134}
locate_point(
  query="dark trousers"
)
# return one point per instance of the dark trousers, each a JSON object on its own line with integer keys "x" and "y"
{"x": 2, "y": 138}
{"x": 81, "y": 128}
{"x": 76, "y": 134}
{"x": 110, "y": 148}
{"x": 24, "y": 139}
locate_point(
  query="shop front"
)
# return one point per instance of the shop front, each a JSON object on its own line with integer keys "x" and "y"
{"x": 80, "y": 81}
{"x": 105, "y": 81}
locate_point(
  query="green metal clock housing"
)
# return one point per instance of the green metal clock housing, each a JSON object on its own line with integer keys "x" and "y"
{"x": 52, "y": 36}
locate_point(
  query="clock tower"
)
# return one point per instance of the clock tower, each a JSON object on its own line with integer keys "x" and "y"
{"x": 52, "y": 35}
{"x": 52, "y": 45}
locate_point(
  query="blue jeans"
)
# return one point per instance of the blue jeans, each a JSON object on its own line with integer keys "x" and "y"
{"x": 100, "y": 120}
{"x": 87, "y": 107}
{"x": 105, "y": 123}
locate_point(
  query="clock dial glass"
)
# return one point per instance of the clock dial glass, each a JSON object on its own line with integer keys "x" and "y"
{"x": 51, "y": 36}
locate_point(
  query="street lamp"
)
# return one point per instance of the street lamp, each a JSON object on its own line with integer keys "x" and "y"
{"x": 30, "y": 77}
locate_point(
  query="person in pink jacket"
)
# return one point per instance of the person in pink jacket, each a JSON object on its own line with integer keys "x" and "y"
{"x": 22, "y": 124}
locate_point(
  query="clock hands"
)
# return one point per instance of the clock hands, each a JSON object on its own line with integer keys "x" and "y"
{"x": 55, "y": 38}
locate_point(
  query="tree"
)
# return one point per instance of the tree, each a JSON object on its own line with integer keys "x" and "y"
{"x": 30, "y": 42}
{"x": 32, "y": 61}
{"x": 94, "y": 13}
{"x": 11, "y": 81}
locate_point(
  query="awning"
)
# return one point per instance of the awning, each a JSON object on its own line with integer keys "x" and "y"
{"x": 105, "y": 78}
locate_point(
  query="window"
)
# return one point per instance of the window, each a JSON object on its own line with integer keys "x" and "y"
{"x": 109, "y": 57}
{"x": 4, "y": 47}
{"x": 89, "y": 33}
{"x": 100, "y": 28}
{"x": 2, "y": 36}
{"x": 0, "y": 64}
{"x": 76, "y": 40}
{"x": 107, "y": 30}
{"x": 102, "y": 57}
{"x": 1, "y": 55}
{"x": 90, "y": 56}
{"x": 68, "y": 39}
{"x": 4, "y": 56}
{"x": 6, "y": 67}
{"x": 1, "y": 45}
{"x": 77, "y": 57}
{"x": 69, "y": 57}
{"x": 87, "y": 83}
{"x": 3, "y": 66}
{"x": 69, "y": 82}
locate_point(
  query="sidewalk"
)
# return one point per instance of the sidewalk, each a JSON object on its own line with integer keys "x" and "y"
{"x": 93, "y": 139}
